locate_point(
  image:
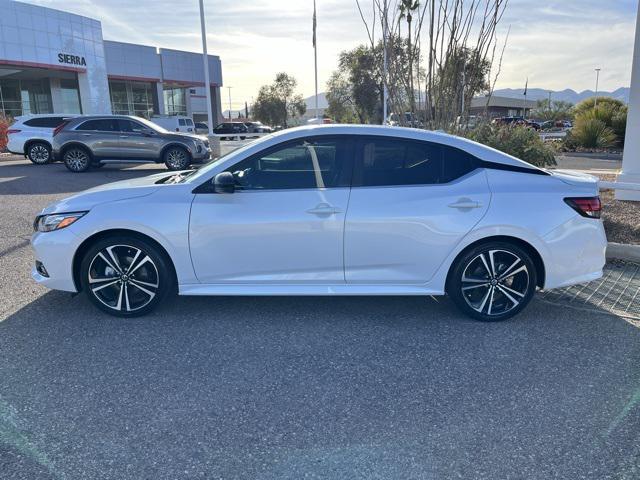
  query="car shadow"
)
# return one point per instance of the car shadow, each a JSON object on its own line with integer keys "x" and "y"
{"x": 24, "y": 178}
{"x": 280, "y": 387}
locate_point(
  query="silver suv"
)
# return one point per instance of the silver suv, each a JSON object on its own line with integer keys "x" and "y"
{"x": 88, "y": 141}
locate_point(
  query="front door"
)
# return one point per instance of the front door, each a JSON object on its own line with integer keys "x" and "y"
{"x": 138, "y": 142}
{"x": 284, "y": 224}
{"x": 411, "y": 203}
{"x": 102, "y": 136}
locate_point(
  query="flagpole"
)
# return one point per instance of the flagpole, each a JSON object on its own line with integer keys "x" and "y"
{"x": 315, "y": 57}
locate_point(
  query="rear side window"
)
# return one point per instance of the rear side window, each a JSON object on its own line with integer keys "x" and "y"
{"x": 131, "y": 126}
{"x": 456, "y": 163}
{"x": 45, "y": 122}
{"x": 101, "y": 125}
{"x": 399, "y": 162}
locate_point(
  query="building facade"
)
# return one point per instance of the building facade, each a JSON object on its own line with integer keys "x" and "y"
{"x": 57, "y": 62}
{"x": 501, "y": 106}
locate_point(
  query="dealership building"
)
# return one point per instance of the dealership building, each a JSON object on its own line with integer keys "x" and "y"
{"x": 57, "y": 62}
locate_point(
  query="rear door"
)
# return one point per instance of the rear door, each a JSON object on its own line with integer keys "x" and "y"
{"x": 102, "y": 136}
{"x": 410, "y": 205}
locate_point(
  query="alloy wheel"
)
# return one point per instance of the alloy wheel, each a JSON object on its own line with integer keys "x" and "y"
{"x": 39, "y": 154}
{"x": 123, "y": 278}
{"x": 495, "y": 282}
{"x": 76, "y": 160}
{"x": 176, "y": 159}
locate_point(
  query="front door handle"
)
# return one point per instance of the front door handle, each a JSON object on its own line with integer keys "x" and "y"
{"x": 323, "y": 209}
{"x": 465, "y": 203}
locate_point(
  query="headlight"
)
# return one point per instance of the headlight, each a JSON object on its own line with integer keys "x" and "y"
{"x": 56, "y": 221}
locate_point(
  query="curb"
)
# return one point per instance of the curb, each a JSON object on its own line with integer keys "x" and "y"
{"x": 595, "y": 156}
{"x": 621, "y": 251}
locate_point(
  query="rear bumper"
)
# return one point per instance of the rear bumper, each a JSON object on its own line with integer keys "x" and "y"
{"x": 576, "y": 252}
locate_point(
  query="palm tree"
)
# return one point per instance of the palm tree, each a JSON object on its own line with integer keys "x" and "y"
{"x": 407, "y": 7}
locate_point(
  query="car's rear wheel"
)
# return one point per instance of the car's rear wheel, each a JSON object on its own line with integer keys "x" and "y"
{"x": 126, "y": 276}
{"x": 39, "y": 153}
{"x": 77, "y": 159}
{"x": 177, "y": 158}
{"x": 493, "y": 281}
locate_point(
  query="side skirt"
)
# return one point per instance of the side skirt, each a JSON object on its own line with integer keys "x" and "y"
{"x": 302, "y": 290}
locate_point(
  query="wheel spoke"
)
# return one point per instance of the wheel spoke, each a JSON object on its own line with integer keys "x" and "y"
{"x": 146, "y": 284}
{"x": 506, "y": 294}
{"x": 126, "y": 297}
{"x": 484, "y": 300}
{"x": 142, "y": 262}
{"x": 486, "y": 265}
{"x": 148, "y": 292}
{"x": 100, "y": 280}
{"x": 493, "y": 263}
{"x": 510, "y": 268}
{"x": 473, "y": 280}
{"x": 476, "y": 286}
{"x": 133, "y": 262}
{"x": 105, "y": 285}
{"x": 515, "y": 292}
{"x": 115, "y": 268}
{"x": 114, "y": 258}
{"x": 493, "y": 291}
{"x": 119, "y": 304}
{"x": 523, "y": 268}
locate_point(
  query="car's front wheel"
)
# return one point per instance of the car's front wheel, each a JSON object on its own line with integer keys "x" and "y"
{"x": 177, "y": 158}
{"x": 126, "y": 276}
{"x": 493, "y": 281}
{"x": 39, "y": 153}
{"x": 77, "y": 159}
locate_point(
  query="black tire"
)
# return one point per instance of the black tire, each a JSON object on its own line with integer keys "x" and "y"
{"x": 126, "y": 276}
{"x": 77, "y": 159}
{"x": 39, "y": 153}
{"x": 493, "y": 281}
{"x": 176, "y": 158}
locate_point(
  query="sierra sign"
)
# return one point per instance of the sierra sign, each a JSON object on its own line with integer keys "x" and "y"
{"x": 71, "y": 59}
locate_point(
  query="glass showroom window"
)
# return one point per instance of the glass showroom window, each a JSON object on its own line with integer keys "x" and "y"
{"x": 175, "y": 101}
{"x": 70, "y": 96}
{"x": 21, "y": 97}
{"x": 132, "y": 98}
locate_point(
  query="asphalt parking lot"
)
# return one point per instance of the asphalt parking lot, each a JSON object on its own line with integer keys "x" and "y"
{"x": 291, "y": 388}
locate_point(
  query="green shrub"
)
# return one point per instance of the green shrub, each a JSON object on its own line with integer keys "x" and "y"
{"x": 521, "y": 142}
{"x": 591, "y": 131}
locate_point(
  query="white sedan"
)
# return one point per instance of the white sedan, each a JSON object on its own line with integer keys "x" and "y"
{"x": 330, "y": 210}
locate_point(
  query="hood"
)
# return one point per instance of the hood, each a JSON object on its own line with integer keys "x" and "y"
{"x": 110, "y": 192}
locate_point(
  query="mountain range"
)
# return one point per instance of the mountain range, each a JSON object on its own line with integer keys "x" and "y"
{"x": 568, "y": 95}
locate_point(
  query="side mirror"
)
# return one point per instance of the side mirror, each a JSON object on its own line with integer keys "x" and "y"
{"x": 224, "y": 182}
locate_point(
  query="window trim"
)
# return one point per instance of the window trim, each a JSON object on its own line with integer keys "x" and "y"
{"x": 347, "y": 170}
{"x": 77, "y": 127}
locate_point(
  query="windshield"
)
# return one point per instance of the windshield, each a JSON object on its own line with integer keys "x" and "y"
{"x": 151, "y": 125}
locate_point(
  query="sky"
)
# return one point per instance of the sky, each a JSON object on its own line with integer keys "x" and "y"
{"x": 557, "y": 44}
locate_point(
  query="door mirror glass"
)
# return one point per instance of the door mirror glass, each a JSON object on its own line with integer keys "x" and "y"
{"x": 224, "y": 182}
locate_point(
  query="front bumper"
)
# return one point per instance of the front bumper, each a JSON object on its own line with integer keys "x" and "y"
{"x": 55, "y": 250}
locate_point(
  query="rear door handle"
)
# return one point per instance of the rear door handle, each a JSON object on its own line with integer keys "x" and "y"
{"x": 323, "y": 209}
{"x": 464, "y": 203}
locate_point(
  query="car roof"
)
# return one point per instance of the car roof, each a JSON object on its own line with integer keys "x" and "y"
{"x": 478, "y": 150}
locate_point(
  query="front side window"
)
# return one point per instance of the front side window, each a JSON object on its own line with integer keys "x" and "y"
{"x": 100, "y": 125}
{"x": 131, "y": 126}
{"x": 387, "y": 162}
{"x": 302, "y": 164}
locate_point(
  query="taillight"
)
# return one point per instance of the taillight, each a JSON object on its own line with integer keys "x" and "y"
{"x": 59, "y": 128}
{"x": 13, "y": 130}
{"x": 589, "y": 207}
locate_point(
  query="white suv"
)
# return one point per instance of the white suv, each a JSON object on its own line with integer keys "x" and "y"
{"x": 30, "y": 135}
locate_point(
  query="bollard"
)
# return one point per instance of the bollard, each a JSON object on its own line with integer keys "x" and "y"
{"x": 214, "y": 144}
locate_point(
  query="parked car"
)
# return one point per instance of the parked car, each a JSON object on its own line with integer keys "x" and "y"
{"x": 231, "y": 131}
{"x": 175, "y": 123}
{"x": 257, "y": 127}
{"x": 88, "y": 141}
{"x": 201, "y": 128}
{"x": 31, "y": 135}
{"x": 330, "y": 210}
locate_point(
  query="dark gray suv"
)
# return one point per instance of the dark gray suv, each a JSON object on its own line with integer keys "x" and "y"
{"x": 86, "y": 141}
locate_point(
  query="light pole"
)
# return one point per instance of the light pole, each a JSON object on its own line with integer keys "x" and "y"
{"x": 595, "y": 102}
{"x": 229, "y": 102}
{"x": 550, "y": 92}
{"x": 205, "y": 59}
